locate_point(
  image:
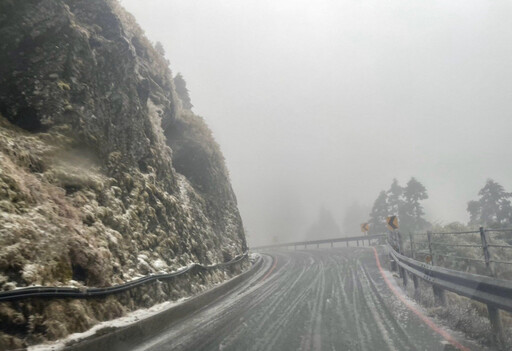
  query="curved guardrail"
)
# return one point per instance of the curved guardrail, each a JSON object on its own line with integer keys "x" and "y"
{"x": 486, "y": 250}
{"x": 324, "y": 241}
{"x": 491, "y": 291}
{"x": 125, "y": 337}
{"x": 78, "y": 293}
{"x": 495, "y": 293}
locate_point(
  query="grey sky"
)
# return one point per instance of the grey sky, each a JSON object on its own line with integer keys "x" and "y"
{"x": 324, "y": 102}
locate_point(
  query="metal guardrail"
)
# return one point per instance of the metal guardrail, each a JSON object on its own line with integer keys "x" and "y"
{"x": 485, "y": 251}
{"x": 125, "y": 337}
{"x": 78, "y": 293}
{"x": 491, "y": 291}
{"x": 494, "y": 292}
{"x": 324, "y": 241}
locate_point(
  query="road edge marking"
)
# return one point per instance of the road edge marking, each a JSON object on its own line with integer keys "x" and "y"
{"x": 418, "y": 313}
{"x": 271, "y": 268}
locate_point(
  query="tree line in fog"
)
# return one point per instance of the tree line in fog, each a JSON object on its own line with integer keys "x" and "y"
{"x": 492, "y": 209}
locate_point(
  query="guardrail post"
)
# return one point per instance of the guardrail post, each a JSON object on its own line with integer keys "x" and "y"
{"x": 397, "y": 248}
{"x": 393, "y": 263}
{"x": 399, "y": 242}
{"x": 496, "y": 325}
{"x": 413, "y": 256}
{"x": 403, "y": 272}
{"x": 396, "y": 244}
{"x": 411, "y": 240}
{"x": 487, "y": 254}
{"x": 391, "y": 259}
{"x": 439, "y": 294}
{"x": 429, "y": 237}
{"x": 347, "y": 243}
{"x": 494, "y": 313}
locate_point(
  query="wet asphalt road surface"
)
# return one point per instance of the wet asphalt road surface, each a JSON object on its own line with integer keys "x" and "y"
{"x": 322, "y": 299}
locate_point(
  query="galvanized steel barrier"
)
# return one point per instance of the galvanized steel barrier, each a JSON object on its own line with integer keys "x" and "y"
{"x": 305, "y": 244}
{"x": 485, "y": 287}
{"x": 126, "y": 337}
{"x": 77, "y": 293}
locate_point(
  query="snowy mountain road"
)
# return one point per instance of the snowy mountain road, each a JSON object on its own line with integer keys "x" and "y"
{"x": 336, "y": 299}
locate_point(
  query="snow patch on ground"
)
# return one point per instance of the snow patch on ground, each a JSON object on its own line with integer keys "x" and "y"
{"x": 124, "y": 321}
{"x": 159, "y": 265}
{"x": 391, "y": 278}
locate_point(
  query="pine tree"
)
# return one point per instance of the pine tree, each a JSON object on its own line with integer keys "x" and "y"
{"x": 493, "y": 208}
{"x": 324, "y": 227}
{"x": 379, "y": 214}
{"x": 160, "y": 48}
{"x": 354, "y": 216}
{"x": 412, "y": 214}
{"x": 181, "y": 89}
{"x": 394, "y": 198}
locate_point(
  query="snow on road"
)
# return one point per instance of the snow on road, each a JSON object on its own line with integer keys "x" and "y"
{"x": 323, "y": 299}
{"x": 333, "y": 299}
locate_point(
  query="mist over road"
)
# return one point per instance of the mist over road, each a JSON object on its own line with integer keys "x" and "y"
{"x": 323, "y": 299}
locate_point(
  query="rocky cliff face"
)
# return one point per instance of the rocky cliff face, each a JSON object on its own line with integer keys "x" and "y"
{"x": 104, "y": 176}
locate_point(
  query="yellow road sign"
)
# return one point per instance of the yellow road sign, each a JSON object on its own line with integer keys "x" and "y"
{"x": 365, "y": 227}
{"x": 392, "y": 222}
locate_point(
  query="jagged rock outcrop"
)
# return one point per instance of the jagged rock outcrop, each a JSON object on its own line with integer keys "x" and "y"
{"x": 104, "y": 177}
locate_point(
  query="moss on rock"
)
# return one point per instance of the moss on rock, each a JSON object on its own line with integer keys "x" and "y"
{"x": 103, "y": 176}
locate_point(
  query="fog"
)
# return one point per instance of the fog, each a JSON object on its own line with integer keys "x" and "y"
{"x": 322, "y": 103}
